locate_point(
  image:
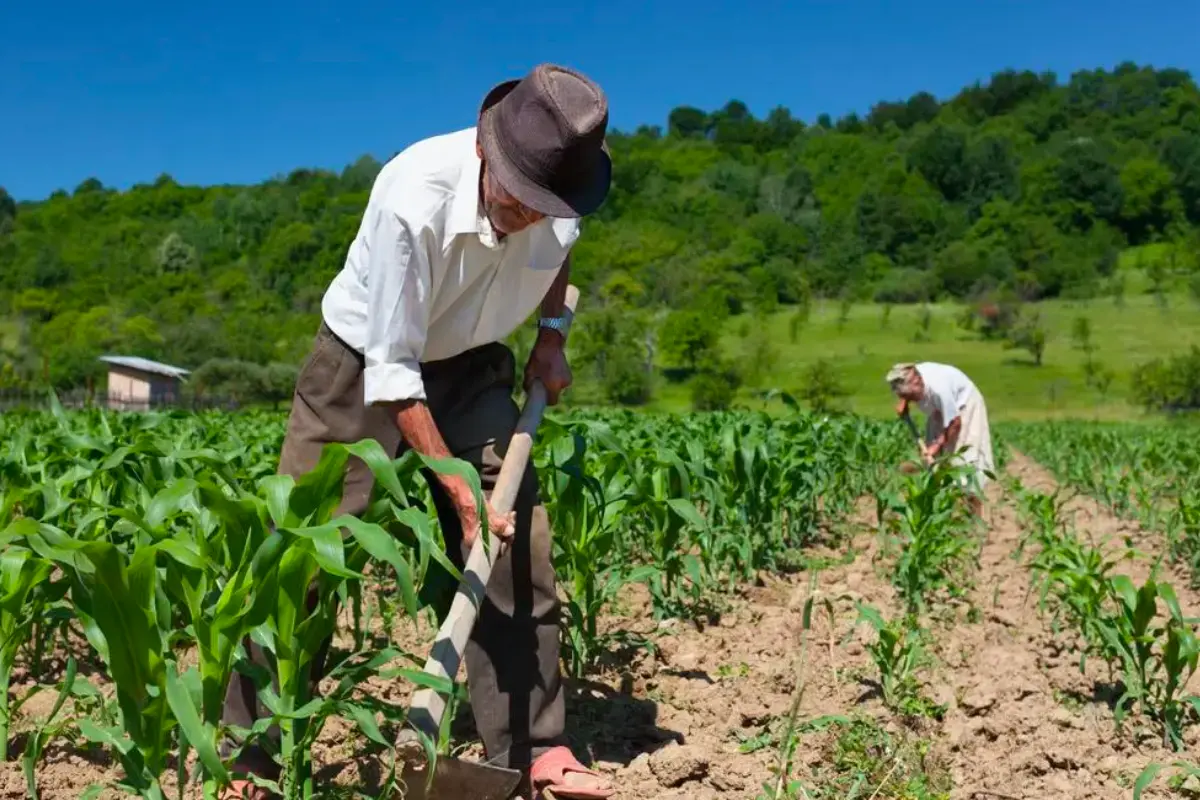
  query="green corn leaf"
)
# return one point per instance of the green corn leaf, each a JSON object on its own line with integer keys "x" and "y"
{"x": 365, "y": 720}
{"x": 169, "y": 501}
{"x": 687, "y": 510}
{"x": 326, "y": 545}
{"x": 422, "y": 679}
{"x": 278, "y": 491}
{"x": 419, "y": 524}
{"x": 317, "y": 493}
{"x": 183, "y": 695}
{"x": 380, "y": 544}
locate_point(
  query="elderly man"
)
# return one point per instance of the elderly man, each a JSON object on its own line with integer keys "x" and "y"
{"x": 464, "y": 235}
{"x": 955, "y": 416}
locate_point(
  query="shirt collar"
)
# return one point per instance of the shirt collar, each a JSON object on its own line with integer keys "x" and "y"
{"x": 466, "y": 210}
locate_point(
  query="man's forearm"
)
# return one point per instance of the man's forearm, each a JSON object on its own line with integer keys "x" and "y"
{"x": 554, "y": 302}
{"x": 419, "y": 430}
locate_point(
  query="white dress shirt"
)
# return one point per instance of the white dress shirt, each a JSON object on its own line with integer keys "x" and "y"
{"x": 426, "y": 278}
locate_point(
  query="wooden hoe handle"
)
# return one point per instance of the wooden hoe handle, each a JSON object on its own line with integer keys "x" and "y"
{"x": 428, "y": 707}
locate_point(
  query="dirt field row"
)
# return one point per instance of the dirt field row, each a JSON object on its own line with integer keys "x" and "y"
{"x": 703, "y": 715}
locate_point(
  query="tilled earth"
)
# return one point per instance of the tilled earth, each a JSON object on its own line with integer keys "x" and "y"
{"x": 700, "y": 714}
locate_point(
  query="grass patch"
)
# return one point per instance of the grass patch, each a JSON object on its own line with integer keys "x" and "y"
{"x": 864, "y": 347}
{"x": 861, "y": 759}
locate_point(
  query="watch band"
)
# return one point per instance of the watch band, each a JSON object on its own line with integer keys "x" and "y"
{"x": 554, "y": 323}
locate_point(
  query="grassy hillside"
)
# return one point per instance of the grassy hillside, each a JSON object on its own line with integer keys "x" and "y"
{"x": 1014, "y": 388}
{"x": 1027, "y": 182}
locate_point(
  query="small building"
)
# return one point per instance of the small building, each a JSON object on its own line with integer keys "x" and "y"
{"x": 138, "y": 384}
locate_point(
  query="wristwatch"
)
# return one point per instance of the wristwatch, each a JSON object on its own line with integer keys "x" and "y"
{"x": 555, "y": 324}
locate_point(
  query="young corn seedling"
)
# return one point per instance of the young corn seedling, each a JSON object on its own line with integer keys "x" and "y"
{"x": 309, "y": 553}
{"x": 587, "y": 510}
{"x": 665, "y": 507}
{"x": 1185, "y": 546}
{"x": 1157, "y": 659}
{"x": 898, "y": 655}
{"x": 25, "y": 588}
{"x": 931, "y": 534}
{"x": 1076, "y": 575}
{"x": 1183, "y": 770}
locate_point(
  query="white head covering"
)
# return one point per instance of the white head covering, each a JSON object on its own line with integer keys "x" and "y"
{"x": 899, "y": 373}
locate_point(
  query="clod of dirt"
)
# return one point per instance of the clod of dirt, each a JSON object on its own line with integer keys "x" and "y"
{"x": 1003, "y": 618}
{"x": 675, "y": 765}
{"x": 1065, "y": 719}
{"x": 731, "y": 777}
{"x": 1061, "y": 759}
{"x": 979, "y": 700}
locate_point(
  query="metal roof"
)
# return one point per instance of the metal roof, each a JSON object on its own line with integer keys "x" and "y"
{"x": 145, "y": 365}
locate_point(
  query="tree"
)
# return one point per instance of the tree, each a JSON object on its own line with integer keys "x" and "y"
{"x": 687, "y": 122}
{"x": 714, "y": 387}
{"x": 687, "y": 339}
{"x": 1030, "y": 336}
{"x": 1150, "y": 204}
{"x": 759, "y": 355}
{"x": 8, "y": 207}
{"x": 174, "y": 255}
{"x": 821, "y": 386}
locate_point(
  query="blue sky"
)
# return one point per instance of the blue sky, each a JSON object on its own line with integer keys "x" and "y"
{"x": 226, "y": 92}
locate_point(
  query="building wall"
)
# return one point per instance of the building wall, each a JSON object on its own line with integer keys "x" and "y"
{"x": 133, "y": 389}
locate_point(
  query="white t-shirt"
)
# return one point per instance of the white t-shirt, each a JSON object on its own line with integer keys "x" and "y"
{"x": 946, "y": 390}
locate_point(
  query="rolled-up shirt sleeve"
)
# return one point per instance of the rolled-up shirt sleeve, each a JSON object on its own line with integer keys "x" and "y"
{"x": 398, "y": 299}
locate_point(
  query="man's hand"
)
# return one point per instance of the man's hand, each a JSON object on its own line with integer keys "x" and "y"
{"x": 500, "y": 525}
{"x": 902, "y": 407}
{"x": 548, "y": 363}
{"x": 929, "y": 452}
{"x": 416, "y": 425}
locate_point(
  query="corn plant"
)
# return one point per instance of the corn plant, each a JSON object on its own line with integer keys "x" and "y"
{"x": 51, "y": 726}
{"x": 669, "y": 516}
{"x": 1151, "y": 771}
{"x": 898, "y": 655}
{"x": 1185, "y": 546}
{"x": 586, "y": 503}
{"x": 1077, "y": 577}
{"x": 25, "y": 589}
{"x": 931, "y": 534}
{"x": 1157, "y": 659}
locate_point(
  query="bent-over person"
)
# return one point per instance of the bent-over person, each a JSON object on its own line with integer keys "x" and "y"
{"x": 463, "y": 237}
{"x": 955, "y": 417}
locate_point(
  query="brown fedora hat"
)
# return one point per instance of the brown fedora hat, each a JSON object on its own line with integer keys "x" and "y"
{"x": 543, "y": 139}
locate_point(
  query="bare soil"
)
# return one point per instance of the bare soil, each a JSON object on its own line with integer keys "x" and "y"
{"x": 698, "y": 716}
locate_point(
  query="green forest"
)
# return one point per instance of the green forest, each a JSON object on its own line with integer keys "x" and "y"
{"x": 1019, "y": 189}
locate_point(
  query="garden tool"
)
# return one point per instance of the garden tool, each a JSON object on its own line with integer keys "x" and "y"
{"x": 455, "y": 779}
{"x": 908, "y": 466}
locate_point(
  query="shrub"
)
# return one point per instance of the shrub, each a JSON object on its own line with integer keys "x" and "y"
{"x": 714, "y": 387}
{"x": 822, "y": 386}
{"x": 1171, "y": 384}
{"x": 906, "y": 286}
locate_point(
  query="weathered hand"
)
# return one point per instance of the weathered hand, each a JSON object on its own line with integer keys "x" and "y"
{"x": 548, "y": 363}
{"x": 502, "y": 526}
{"x": 902, "y": 407}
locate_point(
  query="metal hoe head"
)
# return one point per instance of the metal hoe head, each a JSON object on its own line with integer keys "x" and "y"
{"x": 458, "y": 780}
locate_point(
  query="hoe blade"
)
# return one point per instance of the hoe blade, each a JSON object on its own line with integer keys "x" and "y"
{"x": 458, "y": 780}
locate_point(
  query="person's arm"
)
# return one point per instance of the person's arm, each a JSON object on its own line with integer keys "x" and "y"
{"x": 547, "y": 359}
{"x": 948, "y": 437}
{"x": 397, "y": 324}
{"x": 554, "y": 303}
